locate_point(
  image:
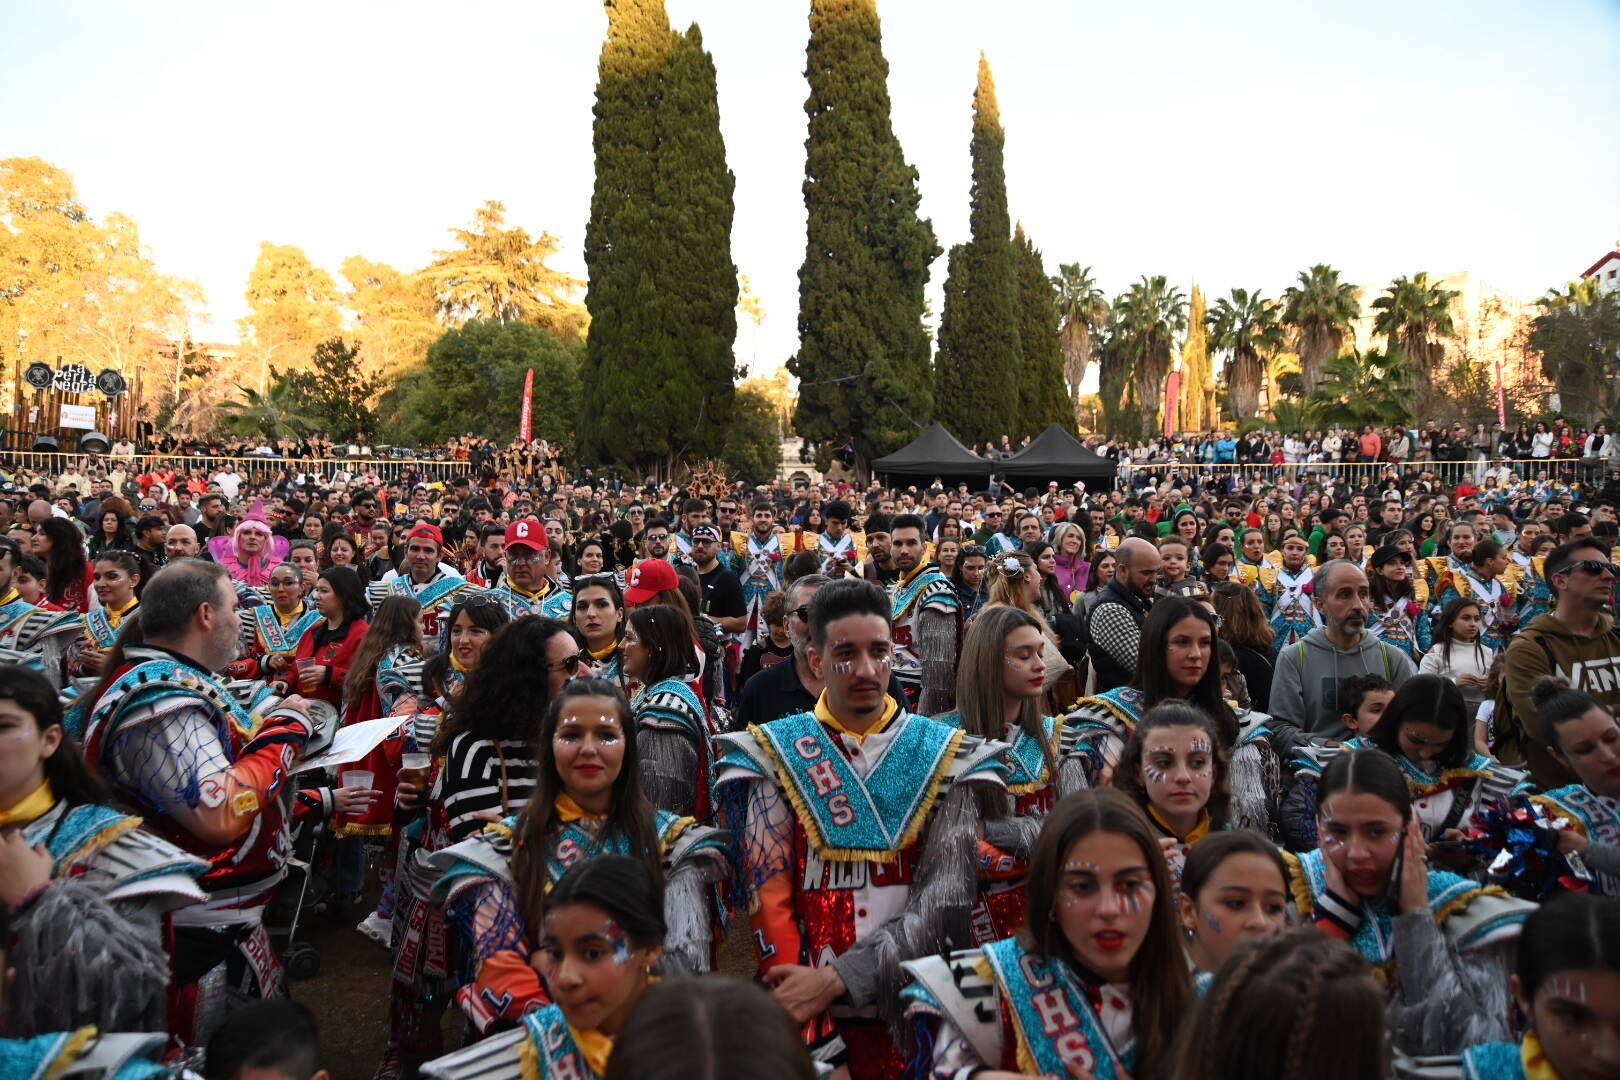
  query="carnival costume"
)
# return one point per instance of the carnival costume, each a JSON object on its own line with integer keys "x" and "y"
{"x": 47, "y": 635}
{"x": 267, "y": 632}
{"x": 1001, "y": 1006}
{"x": 1287, "y": 597}
{"x": 1596, "y": 817}
{"x": 758, "y": 566}
{"x": 1524, "y": 1060}
{"x": 1005, "y": 847}
{"x": 210, "y": 775}
{"x": 89, "y": 948}
{"x": 859, "y": 852}
{"x": 477, "y": 891}
{"x": 927, "y": 618}
{"x": 1535, "y": 592}
{"x": 100, "y": 633}
{"x": 1446, "y": 968}
{"x": 544, "y": 1046}
{"x": 437, "y": 597}
{"x": 851, "y": 547}
{"x": 85, "y": 1054}
{"x": 1405, "y": 623}
{"x": 674, "y": 743}
{"x": 553, "y": 601}
{"x": 255, "y": 570}
{"x": 1440, "y": 801}
{"x": 1495, "y": 598}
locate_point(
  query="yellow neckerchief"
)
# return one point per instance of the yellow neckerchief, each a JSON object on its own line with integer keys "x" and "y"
{"x": 10, "y": 597}
{"x": 288, "y": 620}
{"x": 569, "y": 810}
{"x": 33, "y": 805}
{"x": 1534, "y": 1059}
{"x": 603, "y": 654}
{"x": 1199, "y": 831}
{"x": 457, "y": 664}
{"x": 594, "y": 1047}
{"x": 115, "y": 616}
{"x": 544, "y": 591}
{"x": 824, "y": 713}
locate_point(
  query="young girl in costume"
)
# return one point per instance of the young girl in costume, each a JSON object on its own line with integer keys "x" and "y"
{"x": 1094, "y": 985}
{"x": 1441, "y": 941}
{"x": 1581, "y": 734}
{"x": 1000, "y": 687}
{"x": 87, "y": 890}
{"x": 1175, "y": 769}
{"x": 597, "y": 946}
{"x": 1286, "y": 1006}
{"x": 1567, "y": 984}
{"x": 588, "y": 802}
{"x": 1234, "y": 889}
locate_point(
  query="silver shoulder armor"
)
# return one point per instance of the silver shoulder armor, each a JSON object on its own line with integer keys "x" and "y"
{"x": 498, "y": 1057}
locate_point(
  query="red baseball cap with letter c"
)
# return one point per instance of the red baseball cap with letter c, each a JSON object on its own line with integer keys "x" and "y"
{"x": 424, "y": 531}
{"x": 527, "y": 532}
{"x": 648, "y": 578}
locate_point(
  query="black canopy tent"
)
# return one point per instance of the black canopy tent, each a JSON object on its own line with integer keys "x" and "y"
{"x": 934, "y": 453}
{"x": 1054, "y": 454}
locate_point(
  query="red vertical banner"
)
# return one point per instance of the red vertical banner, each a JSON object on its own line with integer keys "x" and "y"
{"x": 1501, "y": 396}
{"x": 526, "y": 415}
{"x": 1172, "y": 396}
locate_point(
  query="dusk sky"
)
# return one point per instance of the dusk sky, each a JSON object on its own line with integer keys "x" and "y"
{"x": 1231, "y": 144}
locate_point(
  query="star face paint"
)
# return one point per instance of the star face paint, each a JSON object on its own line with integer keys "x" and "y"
{"x": 618, "y": 941}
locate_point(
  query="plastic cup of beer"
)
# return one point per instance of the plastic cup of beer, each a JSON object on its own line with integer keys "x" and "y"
{"x": 413, "y": 768}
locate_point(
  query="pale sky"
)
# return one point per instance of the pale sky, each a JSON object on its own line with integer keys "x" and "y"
{"x": 1232, "y": 144}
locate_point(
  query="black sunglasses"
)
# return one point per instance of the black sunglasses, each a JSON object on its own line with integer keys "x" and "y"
{"x": 1590, "y": 566}
{"x": 802, "y": 613}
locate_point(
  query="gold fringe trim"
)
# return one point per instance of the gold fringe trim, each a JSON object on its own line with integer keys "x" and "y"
{"x": 102, "y": 839}
{"x": 812, "y": 829}
{"x": 359, "y": 829}
{"x": 528, "y": 1056}
{"x": 69, "y": 1053}
{"x": 676, "y": 829}
{"x": 1445, "y": 779}
{"x": 1553, "y": 807}
{"x": 1467, "y": 898}
{"x": 1304, "y": 899}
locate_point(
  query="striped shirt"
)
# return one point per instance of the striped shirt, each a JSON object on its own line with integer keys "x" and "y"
{"x": 474, "y": 777}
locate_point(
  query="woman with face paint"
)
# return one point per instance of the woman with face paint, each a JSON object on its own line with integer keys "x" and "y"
{"x": 599, "y": 617}
{"x": 1096, "y": 982}
{"x": 1175, "y": 769}
{"x": 1234, "y": 890}
{"x": 1428, "y": 730}
{"x": 1581, "y": 734}
{"x": 596, "y": 947}
{"x": 1442, "y": 942}
{"x": 588, "y": 802}
{"x": 1000, "y": 688}
{"x": 1567, "y": 983}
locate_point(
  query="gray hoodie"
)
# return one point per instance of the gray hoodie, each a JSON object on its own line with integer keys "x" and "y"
{"x": 1305, "y": 684}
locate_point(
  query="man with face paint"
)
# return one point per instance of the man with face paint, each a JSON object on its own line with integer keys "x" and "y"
{"x": 430, "y": 582}
{"x": 529, "y": 582}
{"x": 859, "y": 831}
{"x": 1289, "y": 595}
{"x": 927, "y": 616}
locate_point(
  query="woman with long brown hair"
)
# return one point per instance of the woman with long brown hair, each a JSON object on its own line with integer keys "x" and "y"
{"x": 588, "y": 801}
{"x": 1096, "y": 982}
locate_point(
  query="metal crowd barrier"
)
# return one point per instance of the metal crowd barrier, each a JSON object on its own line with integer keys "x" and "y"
{"x": 253, "y": 468}
{"x": 1590, "y": 472}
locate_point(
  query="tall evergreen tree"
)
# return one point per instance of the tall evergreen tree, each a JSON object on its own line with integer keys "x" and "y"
{"x": 1042, "y": 397}
{"x": 662, "y": 292}
{"x": 980, "y": 363}
{"x": 862, "y": 364}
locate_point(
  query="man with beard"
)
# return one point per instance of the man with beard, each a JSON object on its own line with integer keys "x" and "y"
{"x": 655, "y": 541}
{"x": 879, "y": 566}
{"x": 180, "y": 542}
{"x": 757, "y": 557}
{"x": 491, "y": 560}
{"x": 1114, "y": 626}
{"x": 927, "y": 618}
{"x": 1305, "y": 683}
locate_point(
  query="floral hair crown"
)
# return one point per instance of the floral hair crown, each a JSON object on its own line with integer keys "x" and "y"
{"x": 1010, "y": 565}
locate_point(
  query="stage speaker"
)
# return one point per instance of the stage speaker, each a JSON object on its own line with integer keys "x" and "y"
{"x": 94, "y": 442}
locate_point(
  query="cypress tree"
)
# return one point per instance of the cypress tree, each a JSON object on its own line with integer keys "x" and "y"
{"x": 619, "y": 240}
{"x": 862, "y": 364}
{"x": 1195, "y": 369}
{"x": 656, "y": 385}
{"x": 697, "y": 280}
{"x": 1043, "y": 397}
{"x": 980, "y": 362}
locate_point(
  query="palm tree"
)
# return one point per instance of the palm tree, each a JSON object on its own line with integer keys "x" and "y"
{"x": 276, "y": 413}
{"x": 1245, "y": 327}
{"x": 1578, "y": 337}
{"x": 1412, "y": 315}
{"x": 1082, "y": 311}
{"x": 1149, "y": 317}
{"x": 1320, "y": 311}
{"x": 1364, "y": 388}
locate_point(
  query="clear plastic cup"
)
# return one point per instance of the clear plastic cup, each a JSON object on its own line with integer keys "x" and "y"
{"x": 415, "y": 760}
{"x": 358, "y": 778}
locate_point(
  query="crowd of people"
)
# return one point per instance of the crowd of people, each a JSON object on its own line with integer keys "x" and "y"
{"x": 1208, "y": 775}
